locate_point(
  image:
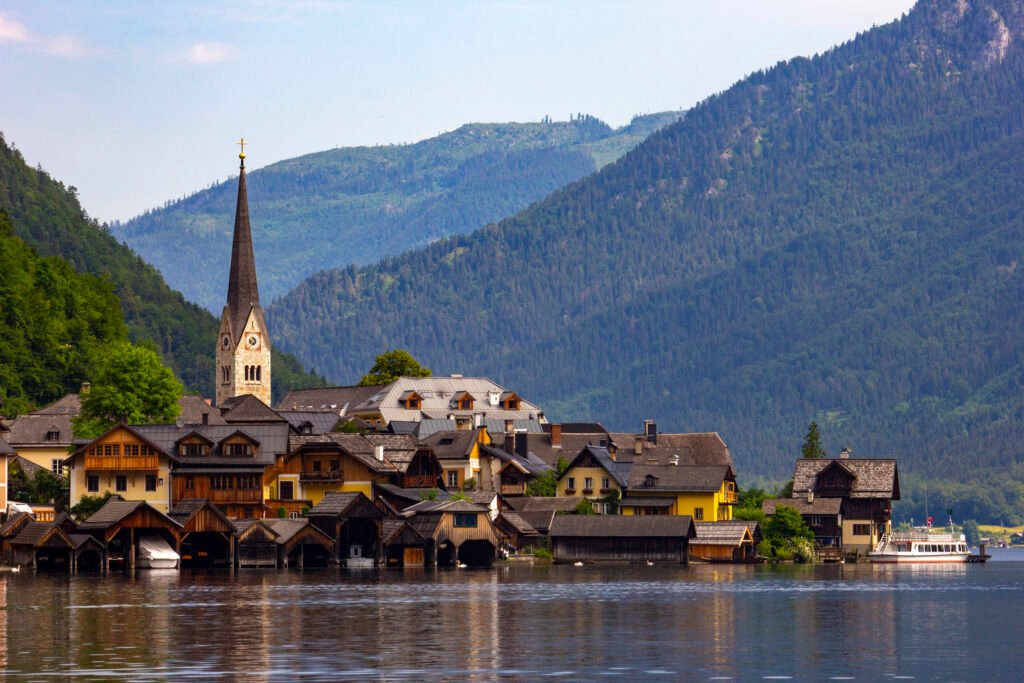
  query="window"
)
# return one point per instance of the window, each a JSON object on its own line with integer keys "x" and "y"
{"x": 248, "y": 513}
{"x": 605, "y": 483}
{"x": 570, "y": 484}
{"x": 121, "y": 482}
{"x": 57, "y": 467}
{"x": 190, "y": 483}
{"x": 286, "y": 490}
{"x": 861, "y": 529}
{"x": 259, "y": 373}
{"x": 650, "y": 481}
{"x": 465, "y": 520}
{"x": 151, "y": 482}
{"x": 588, "y": 483}
{"x": 698, "y": 513}
{"x": 237, "y": 450}
{"x": 111, "y": 450}
{"x": 220, "y": 483}
{"x": 193, "y": 450}
{"x": 245, "y": 481}
{"x": 335, "y": 465}
{"x": 53, "y": 435}
{"x": 132, "y": 449}
{"x": 92, "y": 483}
{"x": 316, "y": 465}
{"x": 453, "y": 480}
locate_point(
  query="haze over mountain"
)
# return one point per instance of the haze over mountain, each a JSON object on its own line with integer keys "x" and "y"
{"x": 356, "y": 205}
{"x": 837, "y": 238}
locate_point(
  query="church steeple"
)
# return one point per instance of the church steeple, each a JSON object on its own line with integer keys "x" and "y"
{"x": 243, "y": 345}
{"x": 243, "y": 290}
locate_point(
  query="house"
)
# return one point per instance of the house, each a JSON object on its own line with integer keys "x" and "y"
{"x": 44, "y": 437}
{"x": 9, "y": 530}
{"x": 823, "y": 515}
{"x": 653, "y": 448}
{"x": 6, "y": 453}
{"x": 354, "y": 524}
{"x": 864, "y": 489}
{"x": 702, "y": 492}
{"x": 520, "y": 534}
{"x": 458, "y": 452}
{"x": 539, "y": 511}
{"x": 616, "y": 538}
{"x": 510, "y": 470}
{"x": 553, "y": 442}
{"x": 337, "y": 400}
{"x": 207, "y": 537}
{"x": 122, "y": 524}
{"x": 403, "y": 546}
{"x": 282, "y": 543}
{"x": 124, "y": 462}
{"x": 729, "y": 541}
{"x": 462, "y": 532}
{"x": 44, "y": 546}
{"x": 467, "y": 401}
{"x": 595, "y": 475}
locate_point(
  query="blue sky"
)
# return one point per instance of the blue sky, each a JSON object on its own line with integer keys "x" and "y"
{"x": 136, "y": 103}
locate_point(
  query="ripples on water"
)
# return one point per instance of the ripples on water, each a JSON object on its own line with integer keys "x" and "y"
{"x": 700, "y": 623}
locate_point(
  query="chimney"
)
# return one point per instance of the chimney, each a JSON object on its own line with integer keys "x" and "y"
{"x": 638, "y": 447}
{"x": 651, "y": 431}
{"x": 845, "y": 453}
{"x": 674, "y": 460}
{"x": 612, "y": 452}
{"x": 206, "y": 418}
{"x": 810, "y": 497}
{"x": 522, "y": 446}
{"x": 378, "y": 452}
{"x": 510, "y": 443}
{"x": 556, "y": 436}
{"x": 86, "y": 386}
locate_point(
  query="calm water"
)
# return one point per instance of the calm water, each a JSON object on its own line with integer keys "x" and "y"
{"x": 701, "y": 623}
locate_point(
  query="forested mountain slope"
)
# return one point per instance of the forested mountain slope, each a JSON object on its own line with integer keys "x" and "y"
{"x": 358, "y": 204}
{"x": 837, "y": 238}
{"x": 47, "y": 216}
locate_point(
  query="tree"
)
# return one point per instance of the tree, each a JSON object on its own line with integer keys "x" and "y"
{"x": 130, "y": 384}
{"x": 391, "y": 365}
{"x": 41, "y": 488}
{"x": 971, "y": 532}
{"x": 786, "y": 525}
{"x": 812, "y": 443}
{"x": 88, "y": 505}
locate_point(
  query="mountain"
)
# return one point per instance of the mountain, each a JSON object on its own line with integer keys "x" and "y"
{"x": 48, "y": 217}
{"x": 838, "y": 238}
{"x": 358, "y": 204}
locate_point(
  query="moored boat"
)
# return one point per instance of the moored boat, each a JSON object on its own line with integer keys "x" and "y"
{"x": 919, "y": 546}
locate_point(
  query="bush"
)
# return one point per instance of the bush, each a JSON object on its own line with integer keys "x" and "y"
{"x": 282, "y": 513}
{"x": 542, "y": 553}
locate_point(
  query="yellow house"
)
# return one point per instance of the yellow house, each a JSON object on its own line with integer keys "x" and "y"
{"x": 704, "y": 492}
{"x": 5, "y": 452}
{"x": 122, "y": 462}
{"x": 593, "y": 474}
{"x": 458, "y": 452}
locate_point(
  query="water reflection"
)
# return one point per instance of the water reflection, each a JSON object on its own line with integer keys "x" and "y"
{"x": 516, "y": 623}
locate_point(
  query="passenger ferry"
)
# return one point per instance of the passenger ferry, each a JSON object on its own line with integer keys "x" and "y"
{"x": 920, "y": 546}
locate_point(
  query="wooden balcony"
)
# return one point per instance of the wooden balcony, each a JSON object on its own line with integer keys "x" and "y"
{"x": 236, "y": 495}
{"x": 513, "y": 489}
{"x": 419, "y": 481}
{"x": 322, "y": 477}
{"x": 144, "y": 462}
{"x": 730, "y": 497}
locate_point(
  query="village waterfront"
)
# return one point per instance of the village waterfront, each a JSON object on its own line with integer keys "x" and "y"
{"x": 625, "y": 622}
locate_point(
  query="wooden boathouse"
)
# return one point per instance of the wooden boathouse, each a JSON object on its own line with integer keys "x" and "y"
{"x": 617, "y": 538}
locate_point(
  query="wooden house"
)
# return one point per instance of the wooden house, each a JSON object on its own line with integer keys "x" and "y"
{"x": 403, "y": 546}
{"x": 519, "y": 533}
{"x": 823, "y": 515}
{"x": 44, "y": 546}
{"x": 539, "y": 511}
{"x": 256, "y": 543}
{"x": 15, "y": 522}
{"x": 462, "y": 532}
{"x": 208, "y": 536}
{"x": 616, "y": 538}
{"x": 121, "y": 524}
{"x": 728, "y": 541}
{"x": 290, "y": 542}
{"x": 6, "y": 452}
{"x": 354, "y": 524}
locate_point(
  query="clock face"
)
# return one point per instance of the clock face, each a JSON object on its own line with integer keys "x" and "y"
{"x": 252, "y": 341}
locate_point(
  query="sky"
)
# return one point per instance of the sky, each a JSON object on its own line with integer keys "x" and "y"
{"x": 136, "y": 103}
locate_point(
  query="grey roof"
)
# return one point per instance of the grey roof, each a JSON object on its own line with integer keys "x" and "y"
{"x": 699, "y": 448}
{"x": 405, "y": 427}
{"x": 873, "y": 477}
{"x": 78, "y": 540}
{"x": 569, "y": 444}
{"x": 820, "y": 506}
{"x": 14, "y": 520}
{"x": 451, "y": 445}
{"x": 485, "y": 498}
{"x": 532, "y": 464}
{"x": 335, "y": 503}
{"x": 399, "y": 449}
{"x": 428, "y": 426}
{"x": 538, "y": 503}
{"x": 435, "y": 507}
{"x": 436, "y": 393}
{"x": 248, "y": 408}
{"x": 26, "y": 466}
{"x": 241, "y": 525}
{"x": 730, "y": 533}
{"x": 616, "y": 470}
{"x": 287, "y": 528}
{"x": 678, "y": 477}
{"x": 318, "y": 421}
{"x": 392, "y": 529}
{"x": 538, "y": 519}
{"x": 411, "y": 494}
{"x": 639, "y": 502}
{"x": 187, "y": 508}
{"x": 69, "y": 404}
{"x": 621, "y": 526}
{"x": 116, "y": 509}
{"x": 496, "y": 425}
{"x": 336, "y": 399}
{"x": 517, "y": 522}
{"x": 5, "y": 448}
{"x": 272, "y": 440}
{"x": 34, "y": 532}
{"x": 193, "y": 408}
{"x": 31, "y": 430}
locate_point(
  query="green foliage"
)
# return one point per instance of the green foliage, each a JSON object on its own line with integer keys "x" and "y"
{"x": 357, "y": 205}
{"x": 544, "y": 485}
{"x": 836, "y": 237}
{"x": 541, "y": 553}
{"x": 811, "y": 447}
{"x": 282, "y": 513}
{"x": 353, "y": 426}
{"x": 305, "y": 510}
{"x": 788, "y": 536}
{"x": 42, "y": 488}
{"x": 391, "y": 365}
{"x": 429, "y": 494}
{"x": 87, "y": 506}
{"x": 786, "y": 491}
{"x": 971, "y": 532}
{"x": 129, "y": 384}
{"x": 749, "y": 514}
{"x": 470, "y": 484}
{"x": 584, "y": 507}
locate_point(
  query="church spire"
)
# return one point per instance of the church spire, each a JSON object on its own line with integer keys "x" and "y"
{"x": 243, "y": 291}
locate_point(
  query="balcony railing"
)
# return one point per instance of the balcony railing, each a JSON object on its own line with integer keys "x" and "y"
{"x": 322, "y": 476}
{"x": 419, "y": 481}
{"x": 513, "y": 489}
{"x": 729, "y": 497}
{"x": 236, "y": 495}
{"x": 115, "y": 462}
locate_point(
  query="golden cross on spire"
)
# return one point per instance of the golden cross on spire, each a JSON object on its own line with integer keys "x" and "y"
{"x": 241, "y": 154}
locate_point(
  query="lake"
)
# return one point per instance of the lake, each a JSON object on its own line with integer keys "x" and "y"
{"x": 697, "y": 623}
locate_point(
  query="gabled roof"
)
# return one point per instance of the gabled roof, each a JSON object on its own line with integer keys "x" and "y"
{"x": 37, "y": 533}
{"x": 31, "y": 430}
{"x": 619, "y": 526}
{"x": 437, "y": 507}
{"x": 873, "y": 477}
{"x": 117, "y": 509}
{"x": 544, "y": 503}
{"x": 188, "y": 508}
{"x": 699, "y": 448}
{"x": 517, "y": 522}
{"x": 356, "y": 445}
{"x": 339, "y": 400}
{"x": 248, "y": 408}
{"x": 538, "y": 519}
{"x": 436, "y": 393}
{"x": 615, "y": 470}
{"x": 195, "y": 433}
{"x": 820, "y": 506}
{"x": 451, "y": 445}
{"x": 141, "y": 432}
{"x": 400, "y": 531}
{"x": 531, "y": 464}
{"x": 728, "y": 533}
{"x": 410, "y": 495}
{"x": 5, "y": 448}
{"x": 68, "y": 404}
{"x": 249, "y": 527}
{"x": 271, "y": 437}
{"x": 345, "y": 504}
{"x": 678, "y": 477}
{"x": 318, "y": 421}
{"x": 14, "y": 522}
{"x": 193, "y": 408}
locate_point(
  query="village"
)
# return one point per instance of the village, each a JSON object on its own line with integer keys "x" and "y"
{"x": 446, "y": 471}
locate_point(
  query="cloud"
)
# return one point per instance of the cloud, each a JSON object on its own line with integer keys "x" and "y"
{"x": 207, "y": 53}
{"x": 13, "y": 30}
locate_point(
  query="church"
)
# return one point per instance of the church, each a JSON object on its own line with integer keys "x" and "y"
{"x": 243, "y": 345}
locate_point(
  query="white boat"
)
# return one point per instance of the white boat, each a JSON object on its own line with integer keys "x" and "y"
{"x": 155, "y": 553}
{"x": 919, "y": 546}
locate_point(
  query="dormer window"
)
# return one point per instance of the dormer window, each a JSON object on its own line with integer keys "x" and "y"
{"x": 53, "y": 435}
{"x": 411, "y": 400}
{"x": 193, "y": 450}
{"x": 307, "y": 428}
{"x": 462, "y": 400}
{"x": 509, "y": 401}
{"x": 650, "y": 481}
{"x": 237, "y": 450}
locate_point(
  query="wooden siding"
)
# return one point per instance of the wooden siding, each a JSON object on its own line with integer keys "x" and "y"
{"x": 201, "y": 489}
{"x": 483, "y": 531}
{"x": 613, "y": 549}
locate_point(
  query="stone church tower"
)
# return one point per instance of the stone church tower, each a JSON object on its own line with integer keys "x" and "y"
{"x": 243, "y": 345}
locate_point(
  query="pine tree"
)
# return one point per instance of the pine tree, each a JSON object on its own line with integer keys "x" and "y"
{"x": 812, "y": 443}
